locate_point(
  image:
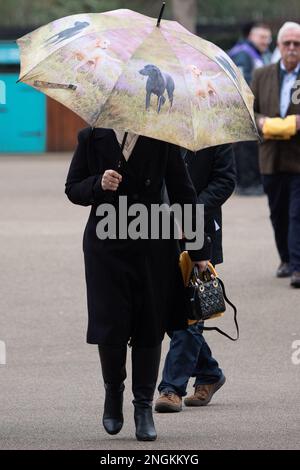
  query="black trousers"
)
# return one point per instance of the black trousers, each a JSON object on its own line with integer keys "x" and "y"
{"x": 283, "y": 191}
{"x": 247, "y": 167}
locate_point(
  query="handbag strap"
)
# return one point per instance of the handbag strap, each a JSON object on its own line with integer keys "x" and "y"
{"x": 210, "y": 328}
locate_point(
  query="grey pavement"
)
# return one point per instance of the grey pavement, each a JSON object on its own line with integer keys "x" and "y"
{"x": 51, "y": 393}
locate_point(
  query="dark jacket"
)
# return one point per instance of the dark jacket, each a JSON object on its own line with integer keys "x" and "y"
{"x": 212, "y": 171}
{"x": 134, "y": 287}
{"x": 275, "y": 156}
{"x": 245, "y": 55}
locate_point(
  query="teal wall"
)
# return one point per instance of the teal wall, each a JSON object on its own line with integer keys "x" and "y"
{"x": 23, "y": 115}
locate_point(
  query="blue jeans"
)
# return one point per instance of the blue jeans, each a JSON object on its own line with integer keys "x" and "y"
{"x": 189, "y": 356}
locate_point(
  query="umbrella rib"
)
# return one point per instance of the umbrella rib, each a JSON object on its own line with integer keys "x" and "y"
{"x": 178, "y": 59}
{"x": 110, "y": 93}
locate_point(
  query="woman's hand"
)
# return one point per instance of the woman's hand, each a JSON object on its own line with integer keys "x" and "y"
{"x": 111, "y": 180}
{"x": 202, "y": 265}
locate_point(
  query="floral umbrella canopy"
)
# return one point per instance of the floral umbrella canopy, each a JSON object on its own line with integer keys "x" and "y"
{"x": 119, "y": 70}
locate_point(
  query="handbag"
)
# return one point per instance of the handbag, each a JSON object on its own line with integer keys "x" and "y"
{"x": 206, "y": 295}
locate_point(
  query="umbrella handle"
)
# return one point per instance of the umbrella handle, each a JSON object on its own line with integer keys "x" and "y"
{"x": 124, "y": 141}
{"x": 122, "y": 148}
{"x": 112, "y": 196}
{"x": 161, "y": 14}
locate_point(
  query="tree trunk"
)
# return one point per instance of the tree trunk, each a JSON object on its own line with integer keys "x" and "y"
{"x": 185, "y": 12}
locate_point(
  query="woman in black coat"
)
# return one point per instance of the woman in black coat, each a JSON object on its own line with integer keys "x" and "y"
{"x": 134, "y": 287}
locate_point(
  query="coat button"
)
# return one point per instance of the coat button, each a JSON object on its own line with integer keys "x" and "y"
{"x": 135, "y": 196}
{"x": 147, "y": 182}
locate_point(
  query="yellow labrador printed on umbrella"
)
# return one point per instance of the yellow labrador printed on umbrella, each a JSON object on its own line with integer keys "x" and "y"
{"x": 119, "y": 70}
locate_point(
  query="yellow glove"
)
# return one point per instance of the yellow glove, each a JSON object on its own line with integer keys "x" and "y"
{"x": 280, "y": 129}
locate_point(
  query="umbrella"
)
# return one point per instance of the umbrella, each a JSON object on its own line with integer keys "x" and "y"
{"x": 127, "y": 71}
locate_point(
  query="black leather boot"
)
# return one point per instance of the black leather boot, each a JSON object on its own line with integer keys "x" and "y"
{"x": 113, "y": 363}
{"x": 145, "y": 365}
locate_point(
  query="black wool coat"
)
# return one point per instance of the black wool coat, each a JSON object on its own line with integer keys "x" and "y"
{"x": 213, "y": 174}
{"x": 134, "y": 287}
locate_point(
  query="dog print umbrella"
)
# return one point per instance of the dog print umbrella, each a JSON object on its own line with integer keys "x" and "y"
{"x": 130, "y": 72}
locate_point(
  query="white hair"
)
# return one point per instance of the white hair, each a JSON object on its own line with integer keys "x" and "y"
{"x": 288, "y": 26}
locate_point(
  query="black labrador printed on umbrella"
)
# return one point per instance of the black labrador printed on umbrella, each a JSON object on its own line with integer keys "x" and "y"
{"x": 157, "y": 83}
{"x": 67, "y": 33}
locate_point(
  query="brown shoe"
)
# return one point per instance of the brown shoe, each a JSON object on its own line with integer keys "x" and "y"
{"x": 204, "y": 393}
{"x": 168, "y": 402}
{"x": 295, "y": 279}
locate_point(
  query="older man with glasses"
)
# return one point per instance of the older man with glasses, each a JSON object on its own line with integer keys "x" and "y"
{"x": 277, "y": 105}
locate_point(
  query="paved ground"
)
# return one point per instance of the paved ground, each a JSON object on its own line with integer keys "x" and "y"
{"x": 50, "y": 390}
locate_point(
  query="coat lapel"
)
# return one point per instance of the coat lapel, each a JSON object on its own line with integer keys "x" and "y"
{"x": 111, "y": 145}
{"x": 275, "y": 88}
{"x": 113, "y": 149}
